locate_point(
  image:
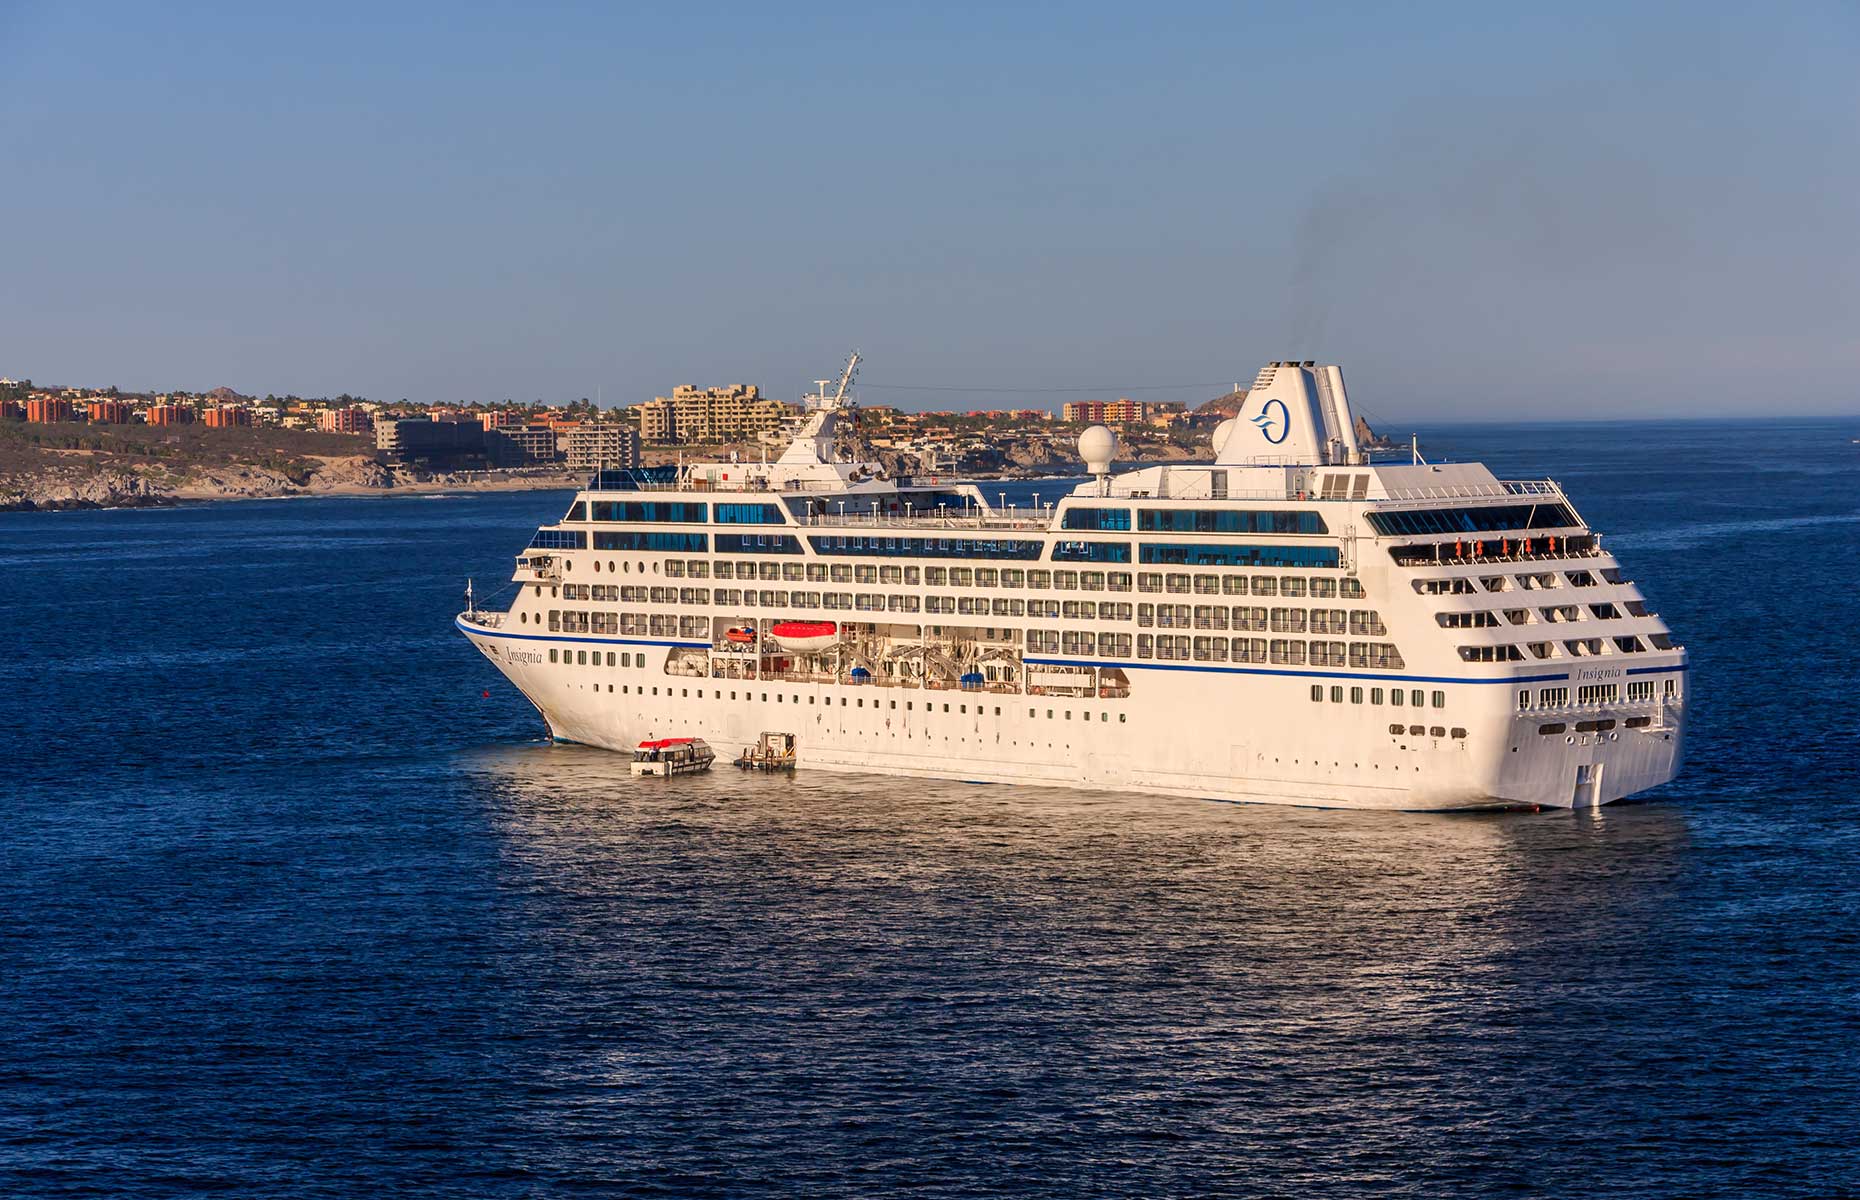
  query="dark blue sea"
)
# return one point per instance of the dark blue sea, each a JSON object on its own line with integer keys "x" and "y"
{"x": 295, "y": 902}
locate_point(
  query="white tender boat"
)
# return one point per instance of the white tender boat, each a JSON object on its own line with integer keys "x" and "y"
{"x": 672, "y": 756}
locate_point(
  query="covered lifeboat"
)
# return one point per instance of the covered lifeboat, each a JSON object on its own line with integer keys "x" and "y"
{"x": 802, "y": 636}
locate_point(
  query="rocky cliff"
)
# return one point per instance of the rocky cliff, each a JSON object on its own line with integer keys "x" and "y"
{"x": 75, "y": 483}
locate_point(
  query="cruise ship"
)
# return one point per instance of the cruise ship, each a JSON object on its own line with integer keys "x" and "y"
{"x": 1288, "y": 622}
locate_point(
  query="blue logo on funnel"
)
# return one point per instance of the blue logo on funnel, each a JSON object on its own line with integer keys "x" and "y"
{"x": 1268, "y": 422}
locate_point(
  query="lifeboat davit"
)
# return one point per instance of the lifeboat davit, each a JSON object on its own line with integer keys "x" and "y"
{"x": 740, "y": 636}
{"x": 805, "y": 635}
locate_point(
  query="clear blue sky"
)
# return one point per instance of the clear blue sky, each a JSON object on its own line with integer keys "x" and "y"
{"x": 1480, "y": 210}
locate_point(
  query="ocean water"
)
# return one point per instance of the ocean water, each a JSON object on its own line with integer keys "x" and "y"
{"x": 296, "y": 903}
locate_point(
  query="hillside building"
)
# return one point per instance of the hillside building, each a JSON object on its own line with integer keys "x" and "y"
{"x": 411, "y": 439}
{"x": 598, "y": 444}
{"x": 718, "y": 414}
{"x": 521, "y": 445}
{"x": 343, "y": 420}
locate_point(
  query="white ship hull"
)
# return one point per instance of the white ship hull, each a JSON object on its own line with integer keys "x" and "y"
{"x": 1218, "y": 735}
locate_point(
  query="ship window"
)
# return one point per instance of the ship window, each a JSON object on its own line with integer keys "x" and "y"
{"x": 679, "y": 511}
{"x": 925, "y": 547}
{"x": 1437, "y": 731}
{"x": 1485, "y": 519}
{"x": 1440, "y": 700}
{"x": 1397, "y": 728}
{"x": 1395, "y": 697}
{"x": 1459, "y": 733}
{"x": 1317, "y": 691}
{"x": 1336, "y": 695}
{"x": 749, "y": 514}
{"x": 1356, "y": 695}
{"x": 1096, "y": 518}
{"x": 551, "y": 656}
{"x": 626, "y": 540}
{"x": 1239, "y": 555}
{"x": 1417, "y": 730}
{"x": 1104, "y": 552}
{"x": 756, "y": 543}
{"x": 1375, "y": 695}
{"x": 1227, "y": 520}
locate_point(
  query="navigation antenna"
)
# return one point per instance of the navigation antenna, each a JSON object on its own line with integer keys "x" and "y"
{"x": 846, "y": 378}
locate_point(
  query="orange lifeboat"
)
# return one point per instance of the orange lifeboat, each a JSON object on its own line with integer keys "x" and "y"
{"x": 802, "y": 636}
{"x": 740, "y": 636}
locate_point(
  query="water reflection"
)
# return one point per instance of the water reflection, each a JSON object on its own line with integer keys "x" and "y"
{"x": 788, "y": 951}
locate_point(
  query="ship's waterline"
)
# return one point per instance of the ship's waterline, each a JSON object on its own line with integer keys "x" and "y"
{"x": 1290, "y": 623}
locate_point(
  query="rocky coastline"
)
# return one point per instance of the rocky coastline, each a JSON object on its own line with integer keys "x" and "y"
{"x": 69, "y": 484}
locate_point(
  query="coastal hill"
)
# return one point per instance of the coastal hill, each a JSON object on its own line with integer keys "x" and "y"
{"x": 118, "y": 466}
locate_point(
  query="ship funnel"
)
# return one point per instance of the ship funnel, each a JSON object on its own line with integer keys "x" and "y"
{"x": 1295, "y": 414}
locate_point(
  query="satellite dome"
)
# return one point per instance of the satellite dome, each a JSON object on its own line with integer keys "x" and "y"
{"x": 1222, "y": 432}
{"x": 1097, "y": 446}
